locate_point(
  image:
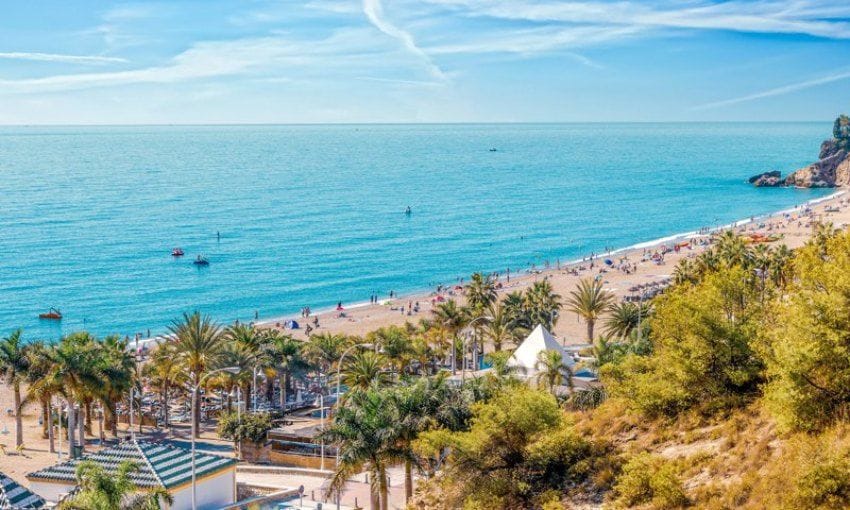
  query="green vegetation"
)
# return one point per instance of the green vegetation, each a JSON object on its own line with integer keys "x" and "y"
{"x": 251, "y": 427}
{"x": 100, "y": 490}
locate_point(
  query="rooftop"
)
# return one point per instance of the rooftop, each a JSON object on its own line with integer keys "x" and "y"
{"x": 13, "y": 496}
{"x": 159, "y": 464}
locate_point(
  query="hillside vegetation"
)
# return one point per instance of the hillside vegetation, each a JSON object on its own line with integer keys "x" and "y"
{"x": 735, "y": 393}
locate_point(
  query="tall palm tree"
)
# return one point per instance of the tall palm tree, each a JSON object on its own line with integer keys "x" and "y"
{"x": 686, "y": 271}
{"x": 514, "y": 305}
{"x": 119, "y": 367}
{"x": 39, "y": 357}
{"x": 165, "y": 371}
{"x": 451, "y": 319}
{"x": 14, "y": 364}
{"x": 624, "y": 317}
{"x": 100, "y": 490}
{"x": 364, "y": 432}
{"x": 286, "y": 358}
{"x": 76, "y": 373}
{"x": 364, "y": 370}
{"x": 395, "y": 345}
{"x": 200, "y": 343}
{"x": 499, "y": 327}
{"x": 324, "y": 350}
{"x": 588, "y": 301}
{"x": 552, "y": 371}
{"x": 480, "y": 292}
{"x": 541, "y": 304}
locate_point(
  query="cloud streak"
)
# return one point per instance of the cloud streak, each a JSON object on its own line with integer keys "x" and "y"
{"x": 777, "y": 91}
{"x": 65, "y": 59}
{"x": 375, "y": 13}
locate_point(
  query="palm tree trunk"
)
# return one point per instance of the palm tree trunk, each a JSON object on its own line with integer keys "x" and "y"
{"x": 19, "y": 424}
{"x": 165, "y": 404}
{"x": 82, "y": 428}
{"x": 382, "y": 483}
{"x": 50, "y": 437}
{"x": 45, "y": 417}
{"x": 88, "y": 409}
{"x": 196, "y": 413}
{"x": 590, "y": 324}
{"x": 282, "y": 381}
{"x": 408, "y": 481}
{"x": 71, "y": 428}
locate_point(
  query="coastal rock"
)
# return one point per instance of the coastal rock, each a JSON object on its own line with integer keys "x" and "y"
{"x": 824, "y": 173}
{"x": 767, "y": 179}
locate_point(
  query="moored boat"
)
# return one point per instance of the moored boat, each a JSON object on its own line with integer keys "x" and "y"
{"x": 201, "y": 261}
{"x": 177, "y": 252}
{"x": 52, "y": 314}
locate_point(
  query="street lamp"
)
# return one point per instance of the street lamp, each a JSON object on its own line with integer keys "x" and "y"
{"x": 232, "y": 370}
{"x": 339, "y": 378}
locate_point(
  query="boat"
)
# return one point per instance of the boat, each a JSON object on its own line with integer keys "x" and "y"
{"x": 201, "y": 261}
{"x": 493, "y": 149}
{"x": 53, "y": 314}
{"x": 177, "y": 252}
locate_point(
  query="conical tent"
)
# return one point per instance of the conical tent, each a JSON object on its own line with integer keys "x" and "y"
{"x": 524, "y": 359}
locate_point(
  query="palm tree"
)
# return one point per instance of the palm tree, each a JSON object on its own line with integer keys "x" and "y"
{"x": 324, "y": 350}
{"x": 14, "y": 364}
{"x": 451, "y": 319}
{"x": 364, "y": 370}
{"x": 286, "y": 358}
{"x": 588, "y": 301}
{"x": 552, "y": 371}
{"x": 74, "y": 371}
{"x": 686, "y": 271}
{"x": 624, "y": 317}
{"x": 100, "y": 490}
{"x": 480, "y": 292}
{"x": 364, "y": 432}
{"x": 200, "y": 343}
{"x": 395, "y": 346}
{"x": 541, "y": 304}
{"x": 119, "y": 367}
{"x": 514, "y": 305}
{"x": 39, "y": 357}
{"x": 165, "y": 371}
{"x": 500, "y": 328}
{"x": 731, "y": 249}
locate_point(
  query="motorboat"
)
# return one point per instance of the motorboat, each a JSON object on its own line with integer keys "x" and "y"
{"x": 177, "y": 252}
{"x": 201, "y": 261}
{"x": 53, "y": 314}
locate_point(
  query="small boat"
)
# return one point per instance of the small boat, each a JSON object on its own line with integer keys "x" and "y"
{"x": 53, "y": 314}
{"x": 201, "y": 261}
{"x": 408, "y": 211}
{"x": 177, "y": 252}
{"x": 493, "y": 149}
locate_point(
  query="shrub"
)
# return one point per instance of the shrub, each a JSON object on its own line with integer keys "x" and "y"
{"x": 650, "y": 479}
{"x": 247, "y": 427}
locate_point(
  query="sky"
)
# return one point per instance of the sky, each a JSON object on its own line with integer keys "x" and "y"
{"x": 341, "y": 61}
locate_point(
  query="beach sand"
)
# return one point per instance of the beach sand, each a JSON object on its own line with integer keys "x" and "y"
{"x": 795, "y": 227}
{"x": 363, "y": 318}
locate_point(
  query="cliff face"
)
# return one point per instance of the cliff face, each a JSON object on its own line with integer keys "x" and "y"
{"x": 832, "y": 169}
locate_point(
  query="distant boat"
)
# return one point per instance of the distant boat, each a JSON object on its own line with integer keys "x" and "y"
{"x": 53, "y": 314}
{"x": 493, "y": 149}
{"x": 408, "y": 211}
{"x": 177, "y": 252}
{"x": 201, "y": 261}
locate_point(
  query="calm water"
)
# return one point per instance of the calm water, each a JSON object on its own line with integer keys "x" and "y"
{"x": 310, "y": 215}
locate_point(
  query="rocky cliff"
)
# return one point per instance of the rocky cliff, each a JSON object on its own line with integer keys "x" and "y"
{"x": 832, "y": 168}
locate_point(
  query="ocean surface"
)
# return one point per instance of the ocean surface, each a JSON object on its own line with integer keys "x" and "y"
{"x": 313, "y": 215}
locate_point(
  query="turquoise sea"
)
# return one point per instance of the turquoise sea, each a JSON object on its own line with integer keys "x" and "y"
{"x": 312, "y": 215}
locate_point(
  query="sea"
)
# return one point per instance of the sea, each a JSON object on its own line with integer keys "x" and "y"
{"x": 290, "y": 216}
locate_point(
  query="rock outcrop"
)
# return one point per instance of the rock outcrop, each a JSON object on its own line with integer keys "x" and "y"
{"x": 767, "y": 179}
{"x": 832, "y": 168}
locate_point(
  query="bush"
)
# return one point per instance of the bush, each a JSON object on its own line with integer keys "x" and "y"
{"x": 650, "y": 479}
{"x": 248, "y": 427}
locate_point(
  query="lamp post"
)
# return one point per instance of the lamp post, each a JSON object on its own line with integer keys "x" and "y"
{"x": 339, "y": 378}
{"x": 232, "y": 370}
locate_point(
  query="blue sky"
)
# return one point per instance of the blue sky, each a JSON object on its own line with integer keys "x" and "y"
{"x": 209, "y": 61}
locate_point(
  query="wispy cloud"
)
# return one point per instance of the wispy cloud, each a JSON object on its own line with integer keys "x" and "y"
{"x": 374, "y": 11}
{"x": 812, "y": 17}
{"x": 777, "y": 91}
{"x": 66, "y": 59}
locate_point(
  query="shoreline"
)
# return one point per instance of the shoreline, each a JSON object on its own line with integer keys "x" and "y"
{"x": 376, "y": 314}
{"x": 360, "y": 311}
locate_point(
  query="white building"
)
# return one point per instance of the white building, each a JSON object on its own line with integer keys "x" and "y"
{"x": 159, "y": 465}
{"x": 525, "y": 357}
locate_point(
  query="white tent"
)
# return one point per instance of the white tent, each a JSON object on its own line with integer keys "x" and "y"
{"x": 524, "y": 359}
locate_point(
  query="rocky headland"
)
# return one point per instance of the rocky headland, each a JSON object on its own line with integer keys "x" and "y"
{"x": 830, "y": 170}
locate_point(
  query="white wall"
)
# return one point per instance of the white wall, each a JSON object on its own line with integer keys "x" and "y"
{"x": 50, "y": 491}
{"x": 212, "y": 493}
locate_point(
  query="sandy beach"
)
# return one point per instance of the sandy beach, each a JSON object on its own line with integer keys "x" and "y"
{"x": 794, "y": 227}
